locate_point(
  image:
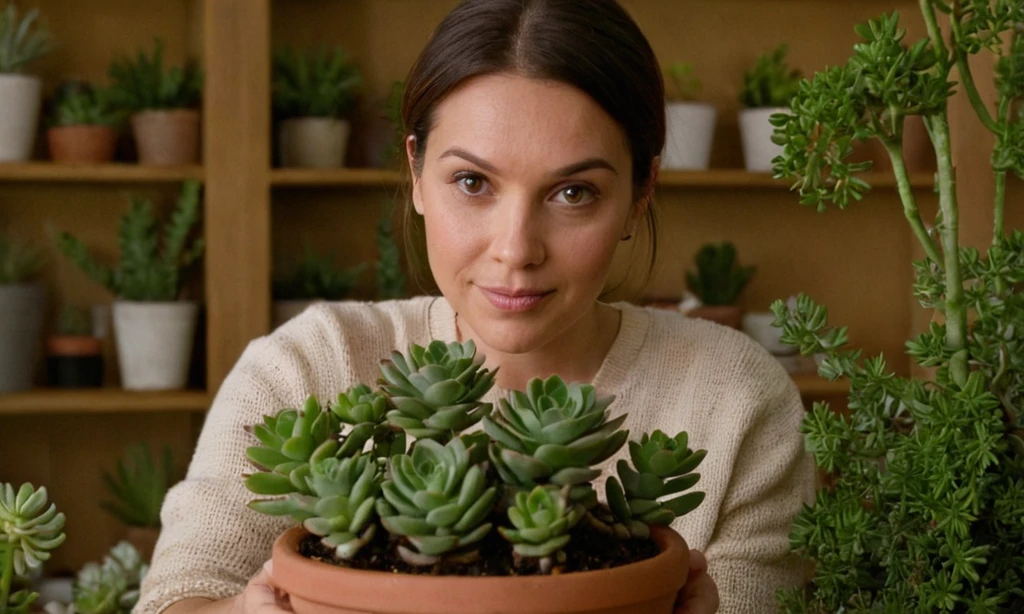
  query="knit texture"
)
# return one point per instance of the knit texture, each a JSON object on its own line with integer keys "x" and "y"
{"x": 667, "y": 372}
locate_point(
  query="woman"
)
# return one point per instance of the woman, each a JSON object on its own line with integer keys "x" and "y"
{"x": 534, "y": 128}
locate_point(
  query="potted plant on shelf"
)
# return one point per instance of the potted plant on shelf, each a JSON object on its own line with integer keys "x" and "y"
{"x": 74, "y": 356}
{"x": 389, "y": 528}
{"x": 390, "y": 278}
{"x": 767, "y": 89}
{"x": 717, "y": 284}
{"x": 314, "y": 278}
{"x": 21, "y": 42}
{"x": 22, "y": 303}
{"x": 690, "y": 125}
{"x": 313, "y": 94}
{"x": 163, "y": 106}
{"x": 110, "y": 587}
{"x": 924, "y": 513}
{"x": 138, "y": 489}
{"x": 29, "y": 531}
{"x": 83, "y": 127}
{"x": 153, "y": 326}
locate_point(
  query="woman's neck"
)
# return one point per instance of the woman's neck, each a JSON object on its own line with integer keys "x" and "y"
{"x": 576, "y": 355}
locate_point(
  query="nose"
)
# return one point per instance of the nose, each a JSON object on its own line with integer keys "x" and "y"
{"x": 517, "y": 233}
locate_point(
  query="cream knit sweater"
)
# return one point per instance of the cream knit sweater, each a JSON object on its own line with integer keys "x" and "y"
{"x": 667, "y": 371}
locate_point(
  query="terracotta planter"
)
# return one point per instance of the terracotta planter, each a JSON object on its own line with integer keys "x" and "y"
{"x": 167, "y": 138}
{"x": 143, "y": 539}
{"x": 726, "y": 315}
{"x": 74, "y": 362}
{"x": 314, "y": 142}
{"x": 82, "y": 144}
{"x": 646, "y": 587}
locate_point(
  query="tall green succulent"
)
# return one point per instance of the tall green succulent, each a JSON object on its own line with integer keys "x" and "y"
{"x": 29, "y": 531}
{"x": 542, "y": 519}
{"x": 19, "y": 263}
{"x": 771, "y": 82}
{"x": 142, "y": 84}
{"x": 718, "y": 280}
{"x": 662, "y": 466}
{"x": 314, "y": 84}
{"x": 437, "y": 502}
{"x": 139, "y": 486}
{"x": 436, "y": 390}
{"x": 21, "y": 40}
{"x": 152, "y": 267}
{"x": 554, "y": 434}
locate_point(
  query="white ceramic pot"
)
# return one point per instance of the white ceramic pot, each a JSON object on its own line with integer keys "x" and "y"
{"x": 756, "y": 132}
{"x": 21, "y": 328}
{"x": 154, "y": 343}
{"x": 20, "y": 100}
{"x": 689, "y": 132}
{"x": 758, "y": 324}
{"x": 286, "y": 310}
{"x": 314, "y": 142}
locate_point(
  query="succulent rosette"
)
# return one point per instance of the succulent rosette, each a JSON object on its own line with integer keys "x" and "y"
{"x": 29, "y": 530}
{"x": 365, "y": 410}
{"x": 542, "y": 519}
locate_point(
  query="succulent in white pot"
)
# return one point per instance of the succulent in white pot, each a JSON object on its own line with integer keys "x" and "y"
{"x": 689, "y": 123}
{"x": 767, "y": 89}
{"x": 153, "y": 327}
{"x": 22, "y": 302}
{"x": 22, "y": 40}
{"x": 313, "y": 93}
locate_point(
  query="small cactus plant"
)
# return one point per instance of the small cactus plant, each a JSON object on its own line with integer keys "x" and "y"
{"x": 718, "y": 280}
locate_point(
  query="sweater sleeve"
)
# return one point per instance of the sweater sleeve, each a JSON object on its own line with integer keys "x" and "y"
{"x": 773, "y": 477}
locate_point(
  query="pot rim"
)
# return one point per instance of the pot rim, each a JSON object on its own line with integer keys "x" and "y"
{"x": 646, "y": 580}
{"x": 81, "y": 127}
{"x": 74, "y": 345}
{"x": 20, "y": 76}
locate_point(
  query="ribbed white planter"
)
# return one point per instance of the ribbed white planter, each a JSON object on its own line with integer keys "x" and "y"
{"x": 20, "y": 100}
{"x": 21, "y": 328}
{"x": 314, "y": 142}
{"x": 154, "y": 343}
{"x": 689, "y": 132}
{"x": 282, "y": 311}
{"x": 756, "y": 132}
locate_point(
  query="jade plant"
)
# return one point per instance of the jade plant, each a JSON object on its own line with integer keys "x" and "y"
{"x": 318, "y": 83}
{"x": 29, "y": 531}
{"x": 772, "y": 82}
{"x": 718, "y": 280}
{"x": 142, "y": 83}
{"x": 22, "y": 40}
{"x": 109, "y": 587}
{"x": 924, "y": 509}
{"x": 681, "y": 82}
{"x": 154, "y": 258}
{"x": 139, "y": 485}
{"x": 316, "y": 277}
{"x": 348, "y": 473}
{"x": 19, "y": 262}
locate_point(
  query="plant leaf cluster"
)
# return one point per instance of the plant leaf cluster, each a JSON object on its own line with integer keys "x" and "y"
{"x": 143, "y": 84}
{"x": 719, "y": 280}
{"x": 22, "y": 40}
{"x": 320, "y": 83}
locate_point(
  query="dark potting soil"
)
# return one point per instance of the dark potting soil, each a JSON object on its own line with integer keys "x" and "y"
{"x": 588, "y": 550}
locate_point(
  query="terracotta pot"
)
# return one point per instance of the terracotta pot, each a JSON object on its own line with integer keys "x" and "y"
{"x": 646, "y": 587}
{"x": 74, "y": 362}
{"x": 143, "y": 539}
{"x": 726, "y": 315}
{"x": 82, "y": 144}
{"x": 167, "y": 138}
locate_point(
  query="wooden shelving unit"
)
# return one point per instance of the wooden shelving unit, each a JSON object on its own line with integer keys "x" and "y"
{"x": 812, "y": 386}
{"x": 104, "y": 173}
{"x": 98, "y": 401}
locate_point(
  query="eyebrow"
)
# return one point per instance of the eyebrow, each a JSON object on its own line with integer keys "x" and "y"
{"x": 572, "y": 169}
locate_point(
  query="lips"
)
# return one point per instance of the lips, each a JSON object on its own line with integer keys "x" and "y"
{"x": 514, "y": 299}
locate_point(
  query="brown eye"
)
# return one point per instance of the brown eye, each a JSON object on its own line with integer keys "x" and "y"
{"x": 576, "y": 195}
{"x": 471, "y": 184}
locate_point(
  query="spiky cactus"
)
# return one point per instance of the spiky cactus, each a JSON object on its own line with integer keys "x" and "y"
{"x": 436, "y": 390}
{"x": 437, "y": 502}
{"x": 29, "y": 531}
{"x": 542, "y": 518}
{"x": 718, "y": 281}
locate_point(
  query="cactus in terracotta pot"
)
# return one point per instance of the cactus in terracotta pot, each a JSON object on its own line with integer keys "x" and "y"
{"x": 83, "y": 126}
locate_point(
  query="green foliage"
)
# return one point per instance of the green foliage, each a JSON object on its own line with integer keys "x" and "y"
{"x": 771, "y": 82}
{"x": 139, "y": 486}
{"x": 19, "y": 263}
{"x": 74, "y": 321}
{"x": 142, "y": 84}
{"x": 29, "y": 531}
{"x": 86, "y": 107}
{"x": 718, "y": 280}
{"x": 21, "y": 40}
{"x": 314, "y": 84}
{"x": 366, "y": 411}
{"x": 684, "y": 85}
{"x": 390, "y": 277}
{"x": 542, "y": 518}
{"x": 110, "y": 587}
{"x": 316, "y": 277}
{"x": 150, "y": 269}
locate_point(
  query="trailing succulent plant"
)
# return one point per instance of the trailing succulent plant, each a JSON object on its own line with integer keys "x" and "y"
{"x": 316, "y": 277}
{"x": 29, "y": 530}
{"x": 718, "y": 280}
{"x": 19, "y": 263}
{"x": 153, "y": 263}
{"x": 23, "y": 40}
{"x": 927, "y": 496}
{"x": 314, "y": 84}
{"x": 771, "y": 82}
{"x": 348, "y": 471}
{"x": 142, "y": 84}
{"x": 139, "y": 486}
{"x": 110, "y": 587}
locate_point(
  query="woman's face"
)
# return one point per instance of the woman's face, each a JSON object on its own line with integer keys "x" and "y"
{"x": 526, "y": 191}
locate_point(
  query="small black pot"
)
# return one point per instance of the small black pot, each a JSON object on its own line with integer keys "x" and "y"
{"x": 74, "y": 362}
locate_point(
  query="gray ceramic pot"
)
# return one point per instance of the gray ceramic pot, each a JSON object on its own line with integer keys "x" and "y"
{"x": 21, "y": 334}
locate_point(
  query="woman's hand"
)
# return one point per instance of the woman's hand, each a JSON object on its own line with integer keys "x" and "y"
{"x": 261, "y": 597}
{"x": 700, "y": 594}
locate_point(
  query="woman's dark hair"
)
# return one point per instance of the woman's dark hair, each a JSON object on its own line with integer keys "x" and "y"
{"x": 593, "y": 45}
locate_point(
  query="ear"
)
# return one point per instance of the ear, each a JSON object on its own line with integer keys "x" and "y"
{"x": 410, "y": 154}
{"x": 645, "y": 197}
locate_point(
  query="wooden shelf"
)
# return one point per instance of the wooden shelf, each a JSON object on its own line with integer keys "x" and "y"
{"x": 96, "y": 173}
{"x": 813, "y": 385}
{"x": 104, "y": 400}
{"x": 719, "y": 178}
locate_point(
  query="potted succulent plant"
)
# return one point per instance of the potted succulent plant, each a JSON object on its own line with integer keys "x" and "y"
{"x": 22, "y": 303}
{"x": 767, "y": 89}
{"x": 313, "y": 94}
{"x": 313, "y": 278}
{"x": 110, "y": 587}
{"x": 21, "y": 42}
{"x": 74, "y": 356}
{"x": 717, "y": 284}
{"x": 164, "y": 106}
{"x": 927, "y": 496}
{"x": 154, "y": 328}
{"x": 388, "y": 527}
{"x": 138, "y": 489}
{"x": 29, "y": 531}
{"x": 83, "y": 127}
{"x": 690, "y": 125}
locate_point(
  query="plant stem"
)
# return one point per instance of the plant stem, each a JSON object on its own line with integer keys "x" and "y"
{"x": 7, "y": 560}
{"x": 928, "y": 10}
{"x": 910, "y": 210}
{"x": 1000, "y": 197}
{"x": 967, "y": 78}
